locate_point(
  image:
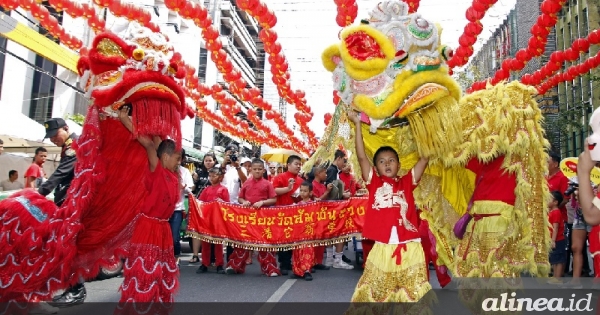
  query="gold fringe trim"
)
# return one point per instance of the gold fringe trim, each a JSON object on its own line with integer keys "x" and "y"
{"x": 435, "y": 128}
{"x": 270, "y": 247}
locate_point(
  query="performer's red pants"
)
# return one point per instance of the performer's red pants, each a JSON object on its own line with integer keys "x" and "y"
{"x": 319, "y": 252}
{"x": 267, "y": 261}
{"x": 427, "y": 241}
{"x": 206, "y": 254}
{"x": 302, "y": 260}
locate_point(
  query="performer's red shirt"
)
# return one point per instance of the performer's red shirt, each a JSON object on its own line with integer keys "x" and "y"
{"x": 392, "y": 215}
{"x": 318, "y": 189}
{"x": 555, "y": 216}
{"x": 492, "y": 181}
{"x": 214, "y": 192}
{"x": 163, "y": 193}
{"x": 36, "y": 171}
{"x": 349, "y": 182}
{"x": 282, "y": 181}
{"x": 560, "y": 183}
{"x": 257, "y": 190}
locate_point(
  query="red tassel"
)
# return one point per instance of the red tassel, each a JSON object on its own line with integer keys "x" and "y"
{"x": 156, "y": 117}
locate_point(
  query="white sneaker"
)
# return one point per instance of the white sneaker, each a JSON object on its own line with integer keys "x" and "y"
{"x": 43, "y": 308}
{"x": 273, "y": 274}
{"x": 329, "y": 261}
{"x": 340, "y": 264}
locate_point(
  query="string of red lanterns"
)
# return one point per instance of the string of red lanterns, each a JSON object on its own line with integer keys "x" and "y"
{"x": 232, "y": 76}
{"x": 347, "y": 10}
{"x": 571, "y": 73}
{"x": 46, "y": 20}
{"x": 558, "y": 58}
{"x": 279, "y": 64}
{"x": 536, "y": 44}
{"x": 472, "y": 30}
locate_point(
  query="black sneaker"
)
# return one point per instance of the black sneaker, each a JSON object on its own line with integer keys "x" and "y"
{"x": 284, "y": 271}
{"x": 307, "y": 276}
{"x": 346, "y": 259}
{"x": 320, "y": 267}
{"x": 220, "y": 270}
{"x": 202, "y": 269}
{"x": 73, "y": 296}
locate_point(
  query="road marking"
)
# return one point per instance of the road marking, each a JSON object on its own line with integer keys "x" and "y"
{"x": 277, "y": 295}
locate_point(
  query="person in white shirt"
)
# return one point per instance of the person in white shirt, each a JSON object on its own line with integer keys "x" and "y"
{"x": 186, "y": 183}
{"x": 235, "y": 176}
{"x": 11, "y": 183}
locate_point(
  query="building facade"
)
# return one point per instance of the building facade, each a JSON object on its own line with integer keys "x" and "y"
{"x": 512, "y": 35}
{"x": 577, "y": 98}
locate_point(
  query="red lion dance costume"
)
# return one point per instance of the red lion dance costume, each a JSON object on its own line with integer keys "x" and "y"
{"x": 45, "y": 248}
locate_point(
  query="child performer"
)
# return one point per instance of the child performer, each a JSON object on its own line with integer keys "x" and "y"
{"x": 558, "y": 255}
{"x": 150, "y": 272}
{"x": 257, "y": 192}
{"x": 306, "y": 193}
{"x": 318, "y": 189}
{"x": 391, "y": 221}
{"x": 215, "y": 191}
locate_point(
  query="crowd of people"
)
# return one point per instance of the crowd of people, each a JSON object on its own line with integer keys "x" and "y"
{"x": 261, "y": 184}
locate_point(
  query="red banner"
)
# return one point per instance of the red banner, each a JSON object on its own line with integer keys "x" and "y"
{"x": 276, "y": 228}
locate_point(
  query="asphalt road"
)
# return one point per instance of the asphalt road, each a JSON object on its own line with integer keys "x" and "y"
{"x": 334, "y": 285}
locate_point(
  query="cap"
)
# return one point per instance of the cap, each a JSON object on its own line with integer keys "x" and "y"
{"x": 52, "y": 126}
{"x": 244, "y": 160}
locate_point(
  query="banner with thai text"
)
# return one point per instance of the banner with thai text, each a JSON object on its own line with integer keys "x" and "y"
{"x": 277, "y": 228}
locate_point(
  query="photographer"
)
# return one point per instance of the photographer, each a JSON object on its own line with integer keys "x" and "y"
{"x": 590, "y": 204}
{"x": 235, "y": 176}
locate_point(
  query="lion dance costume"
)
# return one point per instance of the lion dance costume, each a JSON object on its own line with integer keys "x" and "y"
{"x": 486, "y": 148}
{"x": 49, "y": 248}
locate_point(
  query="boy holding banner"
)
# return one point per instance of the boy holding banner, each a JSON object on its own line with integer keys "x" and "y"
{"x": 256, "y": 192}
{"x": 287, "y": 188}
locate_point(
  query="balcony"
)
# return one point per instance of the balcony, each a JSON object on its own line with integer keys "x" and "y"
{"x": 242, "y": 36}
{"x": 238, "y": 60}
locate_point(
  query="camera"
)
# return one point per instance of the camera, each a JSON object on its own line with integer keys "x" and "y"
{"x": 572, "y": 187}
{"x": 233, "y": 158}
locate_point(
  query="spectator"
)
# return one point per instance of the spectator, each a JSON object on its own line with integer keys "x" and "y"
{"x": 11, "y": 183}
{"x": 1, "y": 146}
{"x": 234, "y": 177}
{"x": 34, "y": 175}
{"x": 186, "y": 186}
{"x": 557, "y": 181}
{"x": 209, "y": 161}
{"x": 558, "y": 255}
{"x": 272, "y": 171}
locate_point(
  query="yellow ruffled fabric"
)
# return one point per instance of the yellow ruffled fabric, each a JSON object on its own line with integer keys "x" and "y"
{"x": 385, "y": 281}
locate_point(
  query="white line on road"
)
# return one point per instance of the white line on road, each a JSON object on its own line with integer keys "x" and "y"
{"x": 277, "y": 295}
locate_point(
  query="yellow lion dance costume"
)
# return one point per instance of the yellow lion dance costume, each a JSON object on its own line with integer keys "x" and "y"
{"x": 487, "y": 147}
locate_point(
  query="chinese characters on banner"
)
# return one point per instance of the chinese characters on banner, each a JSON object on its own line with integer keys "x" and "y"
{"x": 275, "y": 228}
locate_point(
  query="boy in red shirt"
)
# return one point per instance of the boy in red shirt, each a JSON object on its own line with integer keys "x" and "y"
{"x": 321, "y": 191}
{"x": 215, "y": 191}
{"x": 257, "y": 192}
{"x": 34, "y": 175}
{"x": 287, "y": 188}
{"x": 558, "y": 255}
{"x": 391, "y": 221}
{"x": 347, "y": 178}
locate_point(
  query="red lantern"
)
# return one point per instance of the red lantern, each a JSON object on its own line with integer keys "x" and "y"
{"x": 594, "y": 37}
{"x": 571, "y": 54}
{"x": 581, "y": 45}
{"x": 550, "y": 7}
{"x": 523, "y": 55}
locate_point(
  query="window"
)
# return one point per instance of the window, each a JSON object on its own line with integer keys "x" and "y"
{"x": 198, "y": 131}
{"x": 42, "y": 90}
{"x": 202, "y": 64}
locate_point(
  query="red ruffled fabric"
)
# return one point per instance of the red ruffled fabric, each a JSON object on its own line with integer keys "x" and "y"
{"x": 151, "y": 275}
{"x": 35, "y": 243}
{"x": 363, "y": 47}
